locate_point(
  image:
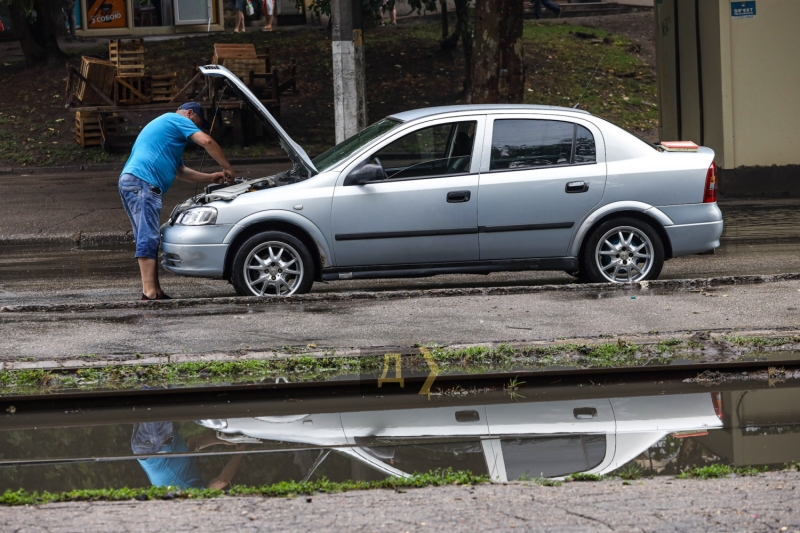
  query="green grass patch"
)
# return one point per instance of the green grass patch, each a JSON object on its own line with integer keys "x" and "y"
{"x": 300, "y": 366}
{"x": 718, "y": 471}
{"x": 629, "y": 472}
{"x": 584, "y": 477}
{"x": 284, "y": 489}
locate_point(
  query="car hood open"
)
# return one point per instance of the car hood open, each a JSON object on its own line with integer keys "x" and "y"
{"x": 293, "y": 150}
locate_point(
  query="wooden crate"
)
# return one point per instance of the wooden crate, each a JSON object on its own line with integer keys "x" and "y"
{"x": 224, "y": 51}
{"x": 101, "y": 73}
{"x": 243, "y": 67}
{"x": 129, "y": 90}
{"x": 127, "y": 55}
{"x": 163, "y": 87}
{"x": 88, "y": 131}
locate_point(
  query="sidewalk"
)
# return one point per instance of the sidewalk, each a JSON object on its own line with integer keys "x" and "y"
{"x": 766, "y": 502}
{"x": 56, "y": 207}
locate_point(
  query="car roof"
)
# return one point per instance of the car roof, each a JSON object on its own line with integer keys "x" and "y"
{"x": 415, "y": 114}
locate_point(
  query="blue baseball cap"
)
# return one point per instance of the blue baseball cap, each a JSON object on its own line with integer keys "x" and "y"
{"x": 197, "y": 109}
{"x": 150, "y": 437}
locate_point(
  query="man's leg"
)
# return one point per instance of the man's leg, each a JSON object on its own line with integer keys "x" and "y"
{"x": 537, "y": 9}
{"x": 149, "y": 269}
{"x": 552, "y": 6}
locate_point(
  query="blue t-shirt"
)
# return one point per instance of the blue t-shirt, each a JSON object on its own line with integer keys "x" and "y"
{"x": 158, "y": 150}
{"x": 167, "y": 471}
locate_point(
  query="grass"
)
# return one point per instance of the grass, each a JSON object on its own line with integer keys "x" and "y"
{"x": 584, "y": 477}
{"x": 560, "y": 64}
{"x": 286, "y": 489}
{"x": 301, "y": 366}
{"x": 629, "y": 472}
{"x": 718, "y": 471}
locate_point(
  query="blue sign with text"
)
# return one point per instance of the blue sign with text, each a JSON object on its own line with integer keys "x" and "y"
{"x": 743, "y": 10}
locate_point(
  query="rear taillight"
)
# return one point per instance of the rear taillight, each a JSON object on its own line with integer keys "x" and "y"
{"x": 710, "y": 193}
{"x": 716, "y": 400}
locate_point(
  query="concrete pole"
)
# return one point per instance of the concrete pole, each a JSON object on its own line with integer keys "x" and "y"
{"x": 349, "y": 95}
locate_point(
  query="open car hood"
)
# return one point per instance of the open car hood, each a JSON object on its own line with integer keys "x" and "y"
{"x": 295, "y": 152}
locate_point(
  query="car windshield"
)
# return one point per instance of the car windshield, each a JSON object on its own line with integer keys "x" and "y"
{"x": 345, "y": 148}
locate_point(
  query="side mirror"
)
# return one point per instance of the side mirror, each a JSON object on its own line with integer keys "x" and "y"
{"x": 365, "y": 174}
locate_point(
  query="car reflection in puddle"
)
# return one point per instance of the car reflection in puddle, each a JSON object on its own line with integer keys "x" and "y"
{"x": 677, "y": 427}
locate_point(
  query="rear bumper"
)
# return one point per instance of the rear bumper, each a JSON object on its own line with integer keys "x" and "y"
{"x": 689, "y": 239}
{"x": 200, "y": 260}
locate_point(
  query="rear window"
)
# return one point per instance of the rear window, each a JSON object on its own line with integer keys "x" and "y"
{"x": 528, "y": 143}
{"x": 552, "y": 456}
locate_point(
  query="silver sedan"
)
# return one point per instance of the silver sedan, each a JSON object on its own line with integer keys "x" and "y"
{"x": 458, "y": 189}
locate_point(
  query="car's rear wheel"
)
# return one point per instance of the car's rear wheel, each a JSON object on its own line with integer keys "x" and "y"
{"x": 623, "y": 250}
{"x": 272, "y": 264}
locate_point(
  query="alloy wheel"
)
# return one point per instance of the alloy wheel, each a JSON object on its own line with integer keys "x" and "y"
{"x": 273, "y": 269}
{"x": 624, "y": 254}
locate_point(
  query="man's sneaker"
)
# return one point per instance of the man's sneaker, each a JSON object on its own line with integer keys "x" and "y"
{"x": 560, "y": 10}
{"x": 162, "y": 297}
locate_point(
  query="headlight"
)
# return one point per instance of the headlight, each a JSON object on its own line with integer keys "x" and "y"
{"x": 213, "y": 424}
{"x": 197, "y": 216}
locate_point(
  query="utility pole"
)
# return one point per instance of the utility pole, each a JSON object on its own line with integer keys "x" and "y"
{"x": 349, "y": 93}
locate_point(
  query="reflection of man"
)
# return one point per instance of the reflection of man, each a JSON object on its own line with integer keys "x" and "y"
{"x": 181, "y": 472}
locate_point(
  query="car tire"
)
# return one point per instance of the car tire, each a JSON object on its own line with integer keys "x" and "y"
{"x": 272, "y": 264}
{"x": 623, "y": 250}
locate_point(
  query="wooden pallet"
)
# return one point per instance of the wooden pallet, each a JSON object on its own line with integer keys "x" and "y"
{"x": 163, "y": 87}
{"x": 88, "y": 131}
{"x": 127, "y": 55}
{"x": 129, "y": 90}
{"x": 243, "y": 67}
{"x": 224, "y": 51}
{"x": 101, "y": 73}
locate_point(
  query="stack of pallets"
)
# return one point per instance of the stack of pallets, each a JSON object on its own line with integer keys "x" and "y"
{"x": 163, "y": 87}
{"x": 90, "y": 131}
{"x": 127, "y": 55}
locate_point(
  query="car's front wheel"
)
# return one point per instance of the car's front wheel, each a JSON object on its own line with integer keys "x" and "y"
{"x": 273, "y": 264}
{"x": 623, "y": 250}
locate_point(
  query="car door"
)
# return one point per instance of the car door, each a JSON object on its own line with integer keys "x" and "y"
{"x": 426, "y": 208}
{"x": 540, "y": 176}
{"x": 549, "y": 439}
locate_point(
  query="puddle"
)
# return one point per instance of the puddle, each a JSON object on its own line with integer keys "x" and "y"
{"x": 517, "y": 433}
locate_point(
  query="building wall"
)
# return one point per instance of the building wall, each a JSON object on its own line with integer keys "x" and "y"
{"x": 729, "y": 83}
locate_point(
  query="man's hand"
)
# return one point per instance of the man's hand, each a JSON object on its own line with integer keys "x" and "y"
{"x": 221, "y": 177}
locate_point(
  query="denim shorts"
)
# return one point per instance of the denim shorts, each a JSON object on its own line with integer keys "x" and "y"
{"x": 142, "y": 202}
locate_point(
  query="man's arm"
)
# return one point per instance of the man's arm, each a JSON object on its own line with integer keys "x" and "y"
{"x": 225, "y": 477}
{"x": 193, "y": 176}
{"x": 213, "y": 149}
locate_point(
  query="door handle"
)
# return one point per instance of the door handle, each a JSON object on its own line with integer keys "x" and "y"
{"x": 577, "y": 186}
{"x": 584, "y": 413}
{"x": 468, "y": 416}
{"x": 457, "y": 197}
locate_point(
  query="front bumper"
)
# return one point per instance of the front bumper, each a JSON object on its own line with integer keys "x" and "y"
{"x": 194, "y": 250}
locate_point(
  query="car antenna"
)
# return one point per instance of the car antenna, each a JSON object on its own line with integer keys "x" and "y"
{"x": 590, "y": 81}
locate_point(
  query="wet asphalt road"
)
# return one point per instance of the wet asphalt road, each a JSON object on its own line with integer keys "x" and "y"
{"x": 47, "y": 274}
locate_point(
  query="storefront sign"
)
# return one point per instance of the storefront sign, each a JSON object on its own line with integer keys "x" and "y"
{"x": 743, "y": 10}
{"x": 103, "y": 14}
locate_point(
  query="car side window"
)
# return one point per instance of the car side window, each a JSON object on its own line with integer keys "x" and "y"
{"x": 552, "y": 456}
{"x": 441, "y": 150}
{"x": 529, "y": 143}
{"x": 584, "y": 146}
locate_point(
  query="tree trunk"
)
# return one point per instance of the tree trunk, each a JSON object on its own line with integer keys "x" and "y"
{"x": 445, "y": 29}
{"x": 497, "y": 72}
{"x": 34, "y": 52}
{"x": 39, "y": 40}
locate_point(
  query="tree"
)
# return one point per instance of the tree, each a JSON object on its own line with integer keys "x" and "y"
{"x": 38, "y": 24}
{"x": 497, "y": 71}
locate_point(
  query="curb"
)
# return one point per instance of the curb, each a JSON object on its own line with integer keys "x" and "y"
{"x": 79, "y": 239}
{"x": 696, "y": 283}
{"x": 108, "y": 167}
{"x": 146, "y": 359}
